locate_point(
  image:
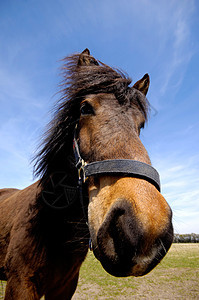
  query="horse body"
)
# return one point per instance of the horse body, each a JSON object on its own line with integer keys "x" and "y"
{"x": 45, "y": 228}
{"x": 31, "y": 264}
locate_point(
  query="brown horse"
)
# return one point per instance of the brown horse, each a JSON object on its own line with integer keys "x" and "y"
{"x": 45, "y": 229}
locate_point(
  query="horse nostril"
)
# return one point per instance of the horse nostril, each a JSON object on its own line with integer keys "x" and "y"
{"x": 120, "y": 232}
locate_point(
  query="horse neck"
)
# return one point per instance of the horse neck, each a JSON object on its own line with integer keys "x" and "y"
{"x": 64, "y": 227}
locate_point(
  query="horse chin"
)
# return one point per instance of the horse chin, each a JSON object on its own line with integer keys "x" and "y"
{"x": 131, "y": 266}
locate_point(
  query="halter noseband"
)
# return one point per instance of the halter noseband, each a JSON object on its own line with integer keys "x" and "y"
{"x": 124, "y": 167}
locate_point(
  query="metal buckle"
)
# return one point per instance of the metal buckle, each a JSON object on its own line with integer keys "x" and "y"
{"x": 81, "y": 171}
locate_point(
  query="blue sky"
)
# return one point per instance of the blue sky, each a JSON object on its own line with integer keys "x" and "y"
{"x": 138, "y": 36}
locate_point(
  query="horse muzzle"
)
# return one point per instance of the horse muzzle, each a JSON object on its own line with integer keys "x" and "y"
{"x": 129, "y": 241}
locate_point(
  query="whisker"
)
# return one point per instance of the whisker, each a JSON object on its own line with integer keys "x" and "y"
{"x": 163, "y": 246}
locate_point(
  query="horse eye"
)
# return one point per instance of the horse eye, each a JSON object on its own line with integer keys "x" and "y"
{"x": 141, "y": 126}
{"x": 86, "y": 109}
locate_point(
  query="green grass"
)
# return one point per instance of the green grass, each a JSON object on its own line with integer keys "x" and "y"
{"x": 2, "y": 289}
{"x": 177, "y": 277}
{"x": 182, "y": 256}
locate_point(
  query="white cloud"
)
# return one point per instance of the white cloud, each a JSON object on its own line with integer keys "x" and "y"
{"x": 22, "y": 116}
{"x": 180, "y": 51}
{"x": 180, "y": 187}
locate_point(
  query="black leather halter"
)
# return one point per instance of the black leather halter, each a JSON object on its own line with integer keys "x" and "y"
{"x": 117, "y": 167}
{"x": 124, "y": 167}
{"x": 112, "y": 167}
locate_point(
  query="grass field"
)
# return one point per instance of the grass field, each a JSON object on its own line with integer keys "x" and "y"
{"x": 177, "y": 277}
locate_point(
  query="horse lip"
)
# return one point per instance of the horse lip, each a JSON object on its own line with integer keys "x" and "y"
{"x": 115, "y": 266}
{"x": 120, "y": 269}
{"x": 135, "y": 265}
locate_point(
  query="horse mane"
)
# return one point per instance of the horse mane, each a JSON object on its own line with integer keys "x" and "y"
{"x": 79, "y": 81}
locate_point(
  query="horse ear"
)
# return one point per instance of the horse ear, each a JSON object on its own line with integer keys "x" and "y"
{"x": 85, "y": 59}
{"x": 143, "y": 84}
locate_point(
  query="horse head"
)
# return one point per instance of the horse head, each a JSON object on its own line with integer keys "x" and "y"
{"x": 129, "y": 220}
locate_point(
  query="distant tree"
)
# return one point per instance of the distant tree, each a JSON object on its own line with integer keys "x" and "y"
{"x": 186, "y": 238}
